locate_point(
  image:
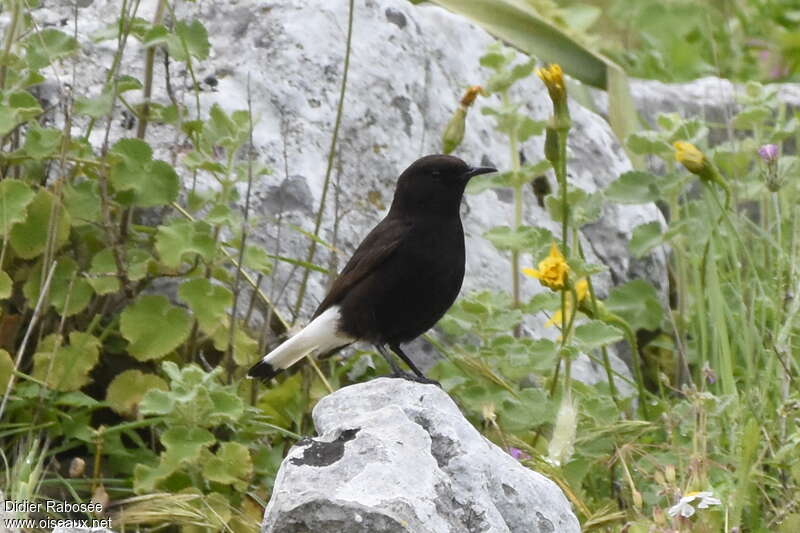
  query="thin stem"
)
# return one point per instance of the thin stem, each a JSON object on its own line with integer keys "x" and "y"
{"x": 11, "y": 33}
{"x": 331, "y": 154}
{"x": 148, "y": 74}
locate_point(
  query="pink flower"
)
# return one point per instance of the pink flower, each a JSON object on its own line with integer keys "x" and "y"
{"x": 518, "y": 454}
{"x": 768, "y": 152}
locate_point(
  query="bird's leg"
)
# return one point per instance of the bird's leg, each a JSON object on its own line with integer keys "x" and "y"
{"x": 420, "y": 377}
{"x": 389, "y": 359}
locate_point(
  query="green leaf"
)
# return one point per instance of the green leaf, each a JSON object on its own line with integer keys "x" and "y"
{"x": 648, "y": 142}
{"x": 209, "y": 302}
{"x": 70, "y": 293}
{"x": 191, "y": 38}
{"x": 156, "y": 402}
{"x": 231, "y": 464}
{"x": 82, "y": 200}
{"x": 97, "y": 106}
{"x": 524, "y": 238}
{"x": 46, "y": 46}
{"x": 149, "y": 182}
{"x": 186, "y": 443}
{"x": 29, "y": 238}
{"x": 633, "y": 187}
{"x": 127, "y": 83}
{"x": 127, "y": 389}
{"x": 751, "y": 117}
{"x": 256, "y": 258}
{"x": 182, "y": 237}
{"x": 595, "y": 334}
{"x": 15, "y": 196}
{"x": 245, "y": 348}
{"x": 645, "y": 237}
{"x": 584, "y": 208}
{"x": 637, "y": 303}
{"x": 41, "y": 143}
{"x": 103, "y": 272}
{"x": 6, "y": 368}
{"x": 154, "y": 327}
{"x": 66, "y": 367}
{"x": 6, "y": 285}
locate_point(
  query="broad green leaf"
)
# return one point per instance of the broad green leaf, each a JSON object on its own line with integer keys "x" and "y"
{"x": 127, "y": 83}
{"x": 595, "y": 334}
{"x": 633, "y": 187}
{"x": 103, "y": 272}
{"x": 6, "y": 285}
{"x": 584, "y": 208}
{"x": 41, "y": 143}
{"x": 230, "y": 464}
{"x": 245, "y": 348}
{"x": 15, "y": 196}
{"x": 156, "y": 402}
{"x": 29, "y": 238}
{"x": 70, "y": 293}
{"x": 208, "y": 301}
{"x": 645, "y": 237}
{"x": 191, "y": 38}
{"x": 24, "y": 104}
{"x": 524, "y": 238}
{"x": 181, "y": 238}
{"x": 148, "y": 182}
{"x": 648, "y": 142}
{"x": 186, "y": 443}
{"x": 751, "y": 117}
{"x": 65, "y": 367}
{"x": 637, "y": 303}
{"x": 96, "y": 106}
{"x": 256, "y": 258}
{"x": 44, "y": 47}
{"x": 154, "y": 327}
{"x": 82, "y": 200}
{"x": 529, "y": 357}
{"x": 127, "y": 389}
{"x": 6, "y": 368}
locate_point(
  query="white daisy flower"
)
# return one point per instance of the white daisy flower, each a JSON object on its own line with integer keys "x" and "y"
{"x": 685, "y": 508}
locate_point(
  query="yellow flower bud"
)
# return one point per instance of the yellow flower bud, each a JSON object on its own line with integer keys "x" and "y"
{"x": 690, "y": 157}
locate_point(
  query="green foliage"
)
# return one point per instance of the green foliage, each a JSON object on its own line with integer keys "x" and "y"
{"x": 154, "y": 327}
{"x": 113, "y": 223}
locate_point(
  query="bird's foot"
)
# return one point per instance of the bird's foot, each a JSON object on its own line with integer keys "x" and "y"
{"x": 413, "y": 377}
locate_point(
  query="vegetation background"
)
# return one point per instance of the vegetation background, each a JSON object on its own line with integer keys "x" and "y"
{"x": 115, "y": 393}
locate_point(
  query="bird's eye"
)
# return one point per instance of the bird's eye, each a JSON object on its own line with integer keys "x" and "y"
{"x": 436, "y": 174}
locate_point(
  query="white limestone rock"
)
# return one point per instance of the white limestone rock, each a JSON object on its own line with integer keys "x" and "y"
{"x": 394, "y": 456}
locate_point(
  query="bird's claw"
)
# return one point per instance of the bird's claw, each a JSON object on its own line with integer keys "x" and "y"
{"x": 413, "y": 377}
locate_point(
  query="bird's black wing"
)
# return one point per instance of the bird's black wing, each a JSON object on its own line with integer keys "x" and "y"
{"x": 376, "y": 247}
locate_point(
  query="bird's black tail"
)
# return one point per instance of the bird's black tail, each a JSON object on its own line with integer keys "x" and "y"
{"x": 263, "y": 371}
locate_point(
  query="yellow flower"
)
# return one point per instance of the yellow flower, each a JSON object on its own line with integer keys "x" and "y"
{"x": 552, "y": 271}
{"x": 581, "y": 290}
{"x": 553, "y": 79}
{"x": 689, "y": 156}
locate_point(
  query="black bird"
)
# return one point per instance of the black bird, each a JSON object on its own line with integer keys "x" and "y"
{"x": 402, "y": 278}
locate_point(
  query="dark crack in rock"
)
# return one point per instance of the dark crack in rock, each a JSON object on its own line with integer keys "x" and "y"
{"x": 321, "y": 453}
{"x": 396, "y": 17}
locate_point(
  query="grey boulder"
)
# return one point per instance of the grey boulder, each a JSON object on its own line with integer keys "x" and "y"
{"x": 397, "y": 456}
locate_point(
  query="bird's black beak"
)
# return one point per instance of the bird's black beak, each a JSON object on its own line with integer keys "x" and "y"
{"x": 477, "y": 171}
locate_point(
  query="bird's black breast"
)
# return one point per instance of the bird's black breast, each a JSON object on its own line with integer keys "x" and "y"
{"x": 412, "y": 288}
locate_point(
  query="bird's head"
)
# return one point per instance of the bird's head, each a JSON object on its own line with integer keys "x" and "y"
{"x": 434, "y": 184}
